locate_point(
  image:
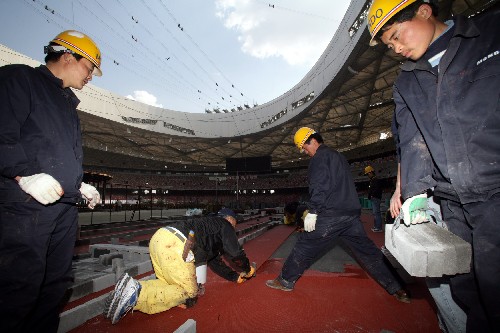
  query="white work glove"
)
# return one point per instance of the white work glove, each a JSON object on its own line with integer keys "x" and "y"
{"x": 42, "y": 187}
{"x": 310, "y": 222}
{"x": 90, "y": 193}
{"x": 414, "y": 210}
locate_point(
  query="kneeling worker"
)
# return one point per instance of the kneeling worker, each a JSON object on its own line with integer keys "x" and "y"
{"x": 176, "y": 281}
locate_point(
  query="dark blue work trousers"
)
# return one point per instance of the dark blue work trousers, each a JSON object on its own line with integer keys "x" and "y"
{"x": 478, "y": 292}
{"x": 377, "y": 215}
{"x": 350, "y": 230}
{"x": 36, "y": 250}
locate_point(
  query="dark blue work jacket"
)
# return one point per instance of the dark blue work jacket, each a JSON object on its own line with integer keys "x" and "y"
{"x": 453, "y": 115}
{"x": 331, "y": 186}
{"x": 39, "y": 131}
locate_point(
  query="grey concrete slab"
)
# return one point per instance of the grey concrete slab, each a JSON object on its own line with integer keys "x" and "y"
{"x": 428, "y": 250}
{"x": 188, "y": 327}
{"x": 75, "y": 317}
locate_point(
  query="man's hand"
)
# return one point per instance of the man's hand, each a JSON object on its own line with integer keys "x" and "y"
{"x": 310, "y": 222}
{"x": 415, "y": 210}
{"x": 395, "y": 204}
{"x": 247, "y": 275}
{"x": 42, "y": 187}
{"x": 201, "y": 289}
{"x": 251, "y": 272}
{"x": 241, "y": 279}
{"x": 90, "y": 193}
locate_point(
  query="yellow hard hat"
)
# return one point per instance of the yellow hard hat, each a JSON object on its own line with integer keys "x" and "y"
{"x": 80, "y": 44}
{"x": 301, "y": 136}
{"x": 380, "y": 12}
{"x": 369, "y": 169}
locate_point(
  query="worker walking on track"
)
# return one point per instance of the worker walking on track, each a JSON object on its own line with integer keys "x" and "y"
{"x": 333, "y": 212}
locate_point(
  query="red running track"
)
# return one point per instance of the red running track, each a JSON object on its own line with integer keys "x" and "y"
{"x": 321, "y": 302}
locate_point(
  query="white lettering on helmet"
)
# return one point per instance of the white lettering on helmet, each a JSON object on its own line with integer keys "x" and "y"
{"x": 378, "y": 14}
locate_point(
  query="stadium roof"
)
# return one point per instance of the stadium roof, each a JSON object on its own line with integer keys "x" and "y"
{"x": 346, "y": 96}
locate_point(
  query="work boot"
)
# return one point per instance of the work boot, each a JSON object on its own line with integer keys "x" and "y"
{"x": 276, "y": 284}
{"x": 402, "y": 296}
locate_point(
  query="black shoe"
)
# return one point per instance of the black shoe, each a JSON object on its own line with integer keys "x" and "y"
{"x": 402, "y": 296}
{"x": 275, "y": 284}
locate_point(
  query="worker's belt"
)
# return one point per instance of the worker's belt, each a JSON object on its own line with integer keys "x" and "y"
{"x": 177, "y": 233}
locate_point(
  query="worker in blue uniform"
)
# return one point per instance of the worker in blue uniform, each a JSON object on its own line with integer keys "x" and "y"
{"x": 447, "y": 96}
{"x": 41, "y": 181}
{"x": 333, "y": 213}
